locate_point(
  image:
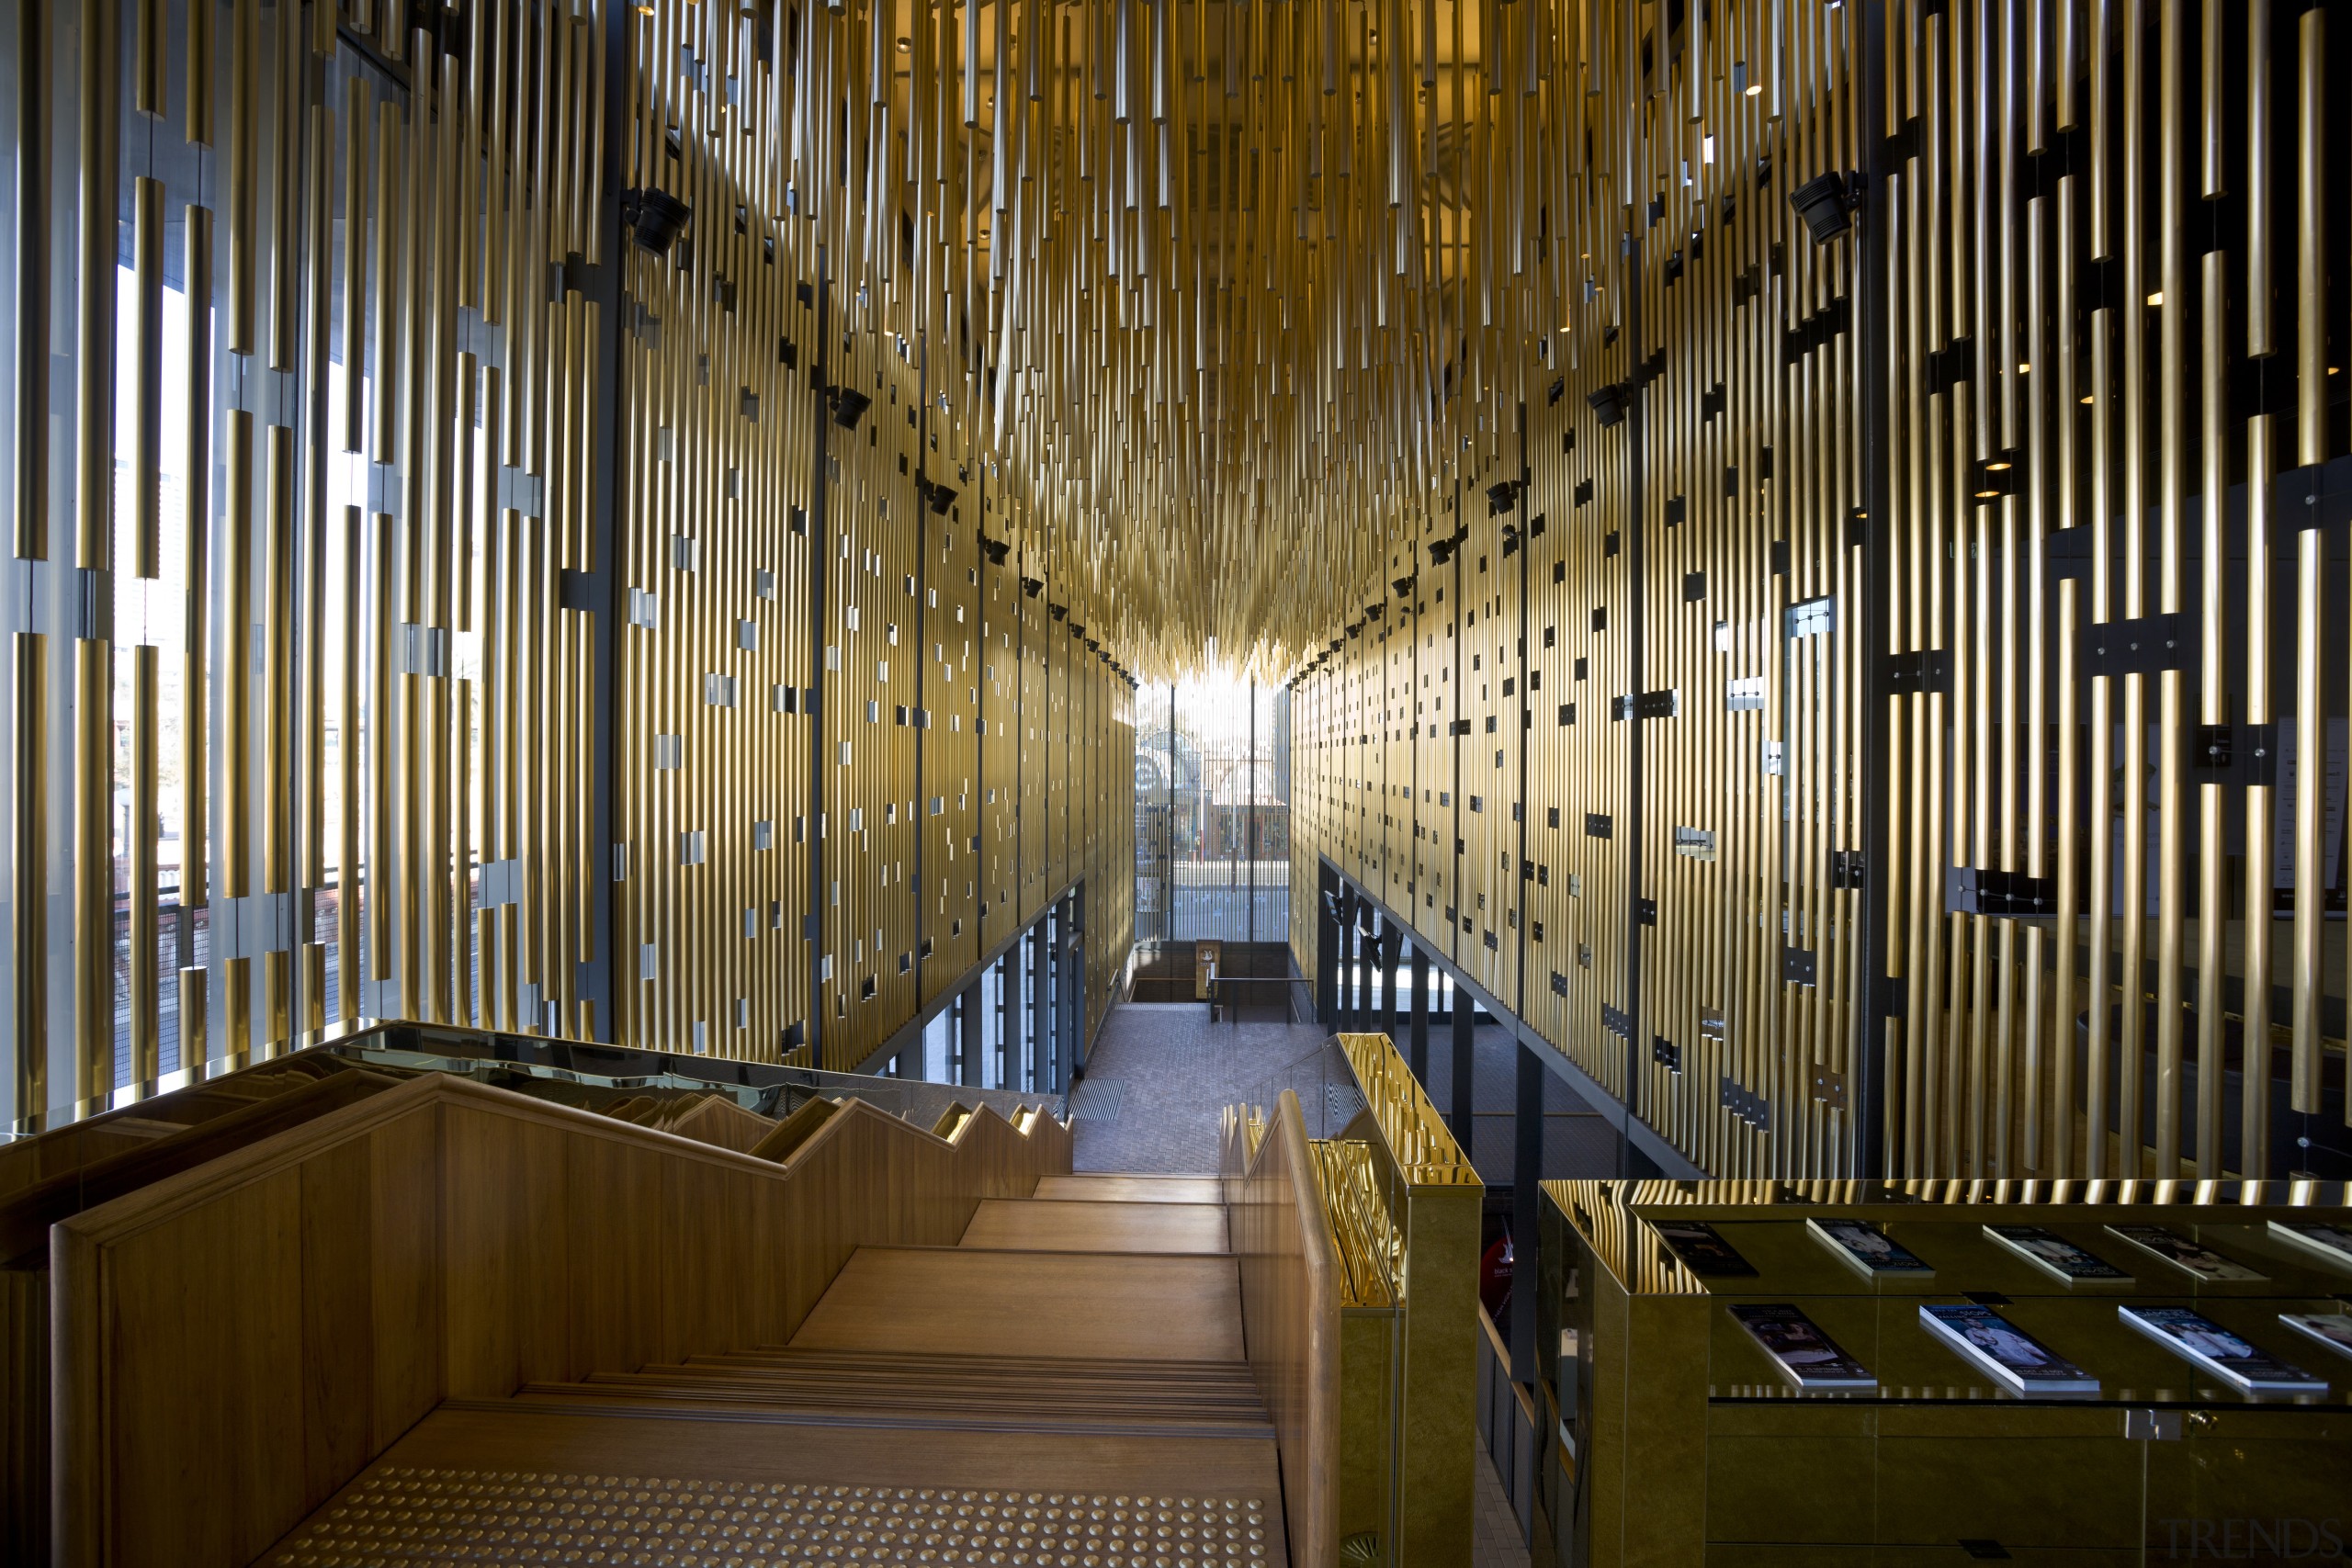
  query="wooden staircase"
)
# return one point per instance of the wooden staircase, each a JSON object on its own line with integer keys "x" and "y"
{"x": 1059, "y": 1314}
{"x": 587, "y": 1322}
{"x": 1073, "y": 1364}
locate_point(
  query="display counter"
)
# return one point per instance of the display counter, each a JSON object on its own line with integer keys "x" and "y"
{"x": 1925, "y": 1372}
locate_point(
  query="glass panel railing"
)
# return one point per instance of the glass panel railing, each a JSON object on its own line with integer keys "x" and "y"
{"x": 535, "y": 1066}
{"x": 1328, "y": 1096}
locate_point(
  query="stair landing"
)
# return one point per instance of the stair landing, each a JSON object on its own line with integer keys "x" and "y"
{"x": 975, "y": 1301}
{"x": 1132, "y": 1189}
{"x": 1097, "y": 1227}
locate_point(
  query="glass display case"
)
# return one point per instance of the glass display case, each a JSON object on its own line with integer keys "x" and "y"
{"x": 1921, "y": 1372}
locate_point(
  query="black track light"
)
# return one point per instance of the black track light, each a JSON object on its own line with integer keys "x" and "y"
{"x": 655, "y": 219}
{"x": 849, "y": 406}
{"x": 1826, "y": 203}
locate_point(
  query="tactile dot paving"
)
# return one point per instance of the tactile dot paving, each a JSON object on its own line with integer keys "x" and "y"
{"x": 400, "y": 1515}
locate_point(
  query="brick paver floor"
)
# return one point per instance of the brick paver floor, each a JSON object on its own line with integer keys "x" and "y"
{"x": 1158, "y": 1076}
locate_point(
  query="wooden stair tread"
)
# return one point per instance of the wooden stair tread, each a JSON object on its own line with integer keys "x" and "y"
{"x": 785, "y": 1362}
{"x": 981, "y": 1402}
{"x": 875, "y": 1408}
{"x": 1104, "y": 1188}
{"x": 1145, "y": 1306}
{"x": 1097, "y": 1225}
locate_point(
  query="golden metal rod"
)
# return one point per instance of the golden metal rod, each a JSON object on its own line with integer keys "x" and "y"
{"x": 145, "y": 947}
{"x": 244, "y": 174}
{"x": 93, "y": 869}
{"x": 33, "y": 305}
{"x": 29, "y": 851}
{"x": 2310, "y": 559}
{"x": 196, "y": 559}
{"x": 147, "y": 403}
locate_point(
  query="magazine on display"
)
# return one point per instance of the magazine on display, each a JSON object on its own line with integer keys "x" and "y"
{"x": 2196, "y": 1337}
{"x": 2332, "y": 1329}
{"x": 2188, "y": 1256}
{"x": 1986, "y": 1339}
{"x": 2057, "y": 1257}
{"x": 1702, "y": 1249}
{"x": 2331, "y": 1242}
{"x": 1806, "y": 1357}
{"x": 1869, "y": 1248}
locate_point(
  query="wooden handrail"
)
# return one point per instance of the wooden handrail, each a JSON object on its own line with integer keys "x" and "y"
{"x": 27, "y": 1215}
{"x": 235, "y": 1342}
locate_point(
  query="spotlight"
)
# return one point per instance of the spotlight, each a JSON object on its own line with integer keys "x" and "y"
{"x": 655, "y": 219}
{"x": 1826, "y": 205}
{"x": 997, "y": 550}
{"x": 1995, "y": 476}
{"x": 849, "y": 406}
{"x": 1608, "y": 404}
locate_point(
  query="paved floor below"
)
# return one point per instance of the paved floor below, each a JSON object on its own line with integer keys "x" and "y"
{"x": 1496, "y": 1542}
{"x": 1160, "y": 1076}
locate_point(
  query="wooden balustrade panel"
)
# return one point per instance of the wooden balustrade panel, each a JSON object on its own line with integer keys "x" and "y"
{"x": 236, "y": 1342}
{"x": 1290, "y": 1318}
